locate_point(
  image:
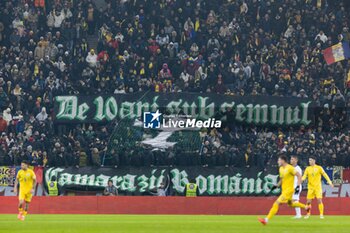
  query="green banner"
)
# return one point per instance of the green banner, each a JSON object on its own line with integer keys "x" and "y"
{"x": 259, "y": 110}
{"x": 139, "y": 181}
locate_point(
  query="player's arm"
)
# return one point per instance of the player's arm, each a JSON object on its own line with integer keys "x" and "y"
{"x": 105, "y": 192}
{"x": 324, "y": 174}
{"x": 15, "y": 190}
{"x": 298, "y": 175}
{"x": 34, "y": 182}
{"x": 277, "y": 185}
{"x": 305, "y": 175}
{"x": 34, "y": 185}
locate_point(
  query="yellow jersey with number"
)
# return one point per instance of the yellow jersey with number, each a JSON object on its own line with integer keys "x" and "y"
{"x": 314, "y": 174}
{"x": 287, "y": 174}
{"x": 25, "y": 179}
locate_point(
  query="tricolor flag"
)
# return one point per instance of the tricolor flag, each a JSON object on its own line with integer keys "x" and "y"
{"x": 337, "y": 52}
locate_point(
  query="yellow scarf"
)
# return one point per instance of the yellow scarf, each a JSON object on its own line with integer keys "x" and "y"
{"x": 36, "y": 69}
{"x": 108, "y": 37}
{"x": 246, "y": 155}
{"x": 142, "y": 71}
{"x": 196, "y": 25}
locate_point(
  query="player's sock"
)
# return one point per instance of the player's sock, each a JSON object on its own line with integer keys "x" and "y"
{"x": 298, "y": 212}
{"x": 321, "y": 208}
{"x": 25, "y": 213}
{"x": 308, "y": 210}
{"x": 19, "y": 216}
{"x": 273, "y": 211}
{"x": 298, "y": 204}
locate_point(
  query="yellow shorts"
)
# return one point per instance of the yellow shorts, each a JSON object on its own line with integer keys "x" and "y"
{"x": 285, "y": 197}
{"x": 27, "y": 197}
{"x": 314, "y": 193}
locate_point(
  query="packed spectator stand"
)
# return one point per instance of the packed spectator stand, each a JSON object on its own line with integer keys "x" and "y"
{"x": 228, "y": 47}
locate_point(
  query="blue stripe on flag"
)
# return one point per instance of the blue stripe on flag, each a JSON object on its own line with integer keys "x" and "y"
{"x": 346, "y": 49}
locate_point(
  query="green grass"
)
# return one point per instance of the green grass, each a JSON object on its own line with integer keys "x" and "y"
{"x": 169, "y": 224}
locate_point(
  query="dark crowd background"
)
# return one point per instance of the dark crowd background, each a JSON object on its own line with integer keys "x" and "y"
{"x": 228, "y": 47}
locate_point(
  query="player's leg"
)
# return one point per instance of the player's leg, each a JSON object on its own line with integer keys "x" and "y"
{"x": 274, "y": 209}
{"x": 320, "y": 203}
{"x": 26, "y": 207}
{"x": 21, "y": 197}
{"x": 308, "y": 210}
{"x": 318, "y": 196}
{"x": 20, "y": 208}
{"x": 297, "y": 204}
{"x": 27, "y": 200}
{"x": 309, "y": 197}
{"x": 297, "y": 210}
{"x": 20, "y": 205}
{"x": 320, "y": 207}
{"x": 296, "y": 198}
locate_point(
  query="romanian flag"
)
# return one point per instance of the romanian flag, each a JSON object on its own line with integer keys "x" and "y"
{"x": 337, "y": 52}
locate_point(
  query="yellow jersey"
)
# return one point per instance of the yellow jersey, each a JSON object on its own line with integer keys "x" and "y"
{"x": 25, "y": 179}
{"x": 287, "y": 174}
{"x": 314, "y": 174}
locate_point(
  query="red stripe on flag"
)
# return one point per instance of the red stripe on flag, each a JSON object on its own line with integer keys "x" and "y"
{"x": 39, "y": 174}
{"x": 328, "y": 55}
{"x": 346, "y": 175}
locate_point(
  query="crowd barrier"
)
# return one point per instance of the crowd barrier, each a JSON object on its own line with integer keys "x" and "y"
{"x": 163, "y": 205}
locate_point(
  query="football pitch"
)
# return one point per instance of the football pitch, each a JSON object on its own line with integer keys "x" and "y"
{"x": 169, "y": 223}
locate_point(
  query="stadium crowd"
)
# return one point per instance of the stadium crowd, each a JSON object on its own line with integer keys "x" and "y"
{"x": 232, "y": 47}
